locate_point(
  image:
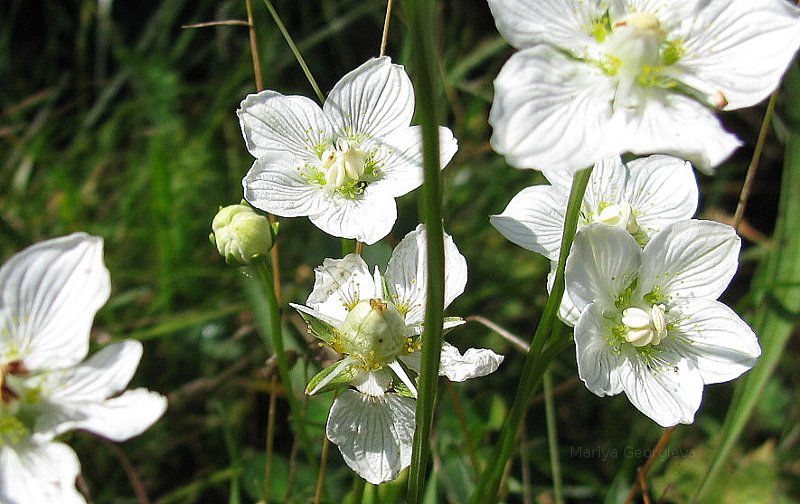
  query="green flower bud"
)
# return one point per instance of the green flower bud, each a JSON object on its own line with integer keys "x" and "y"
{"x": 374, "y": 331}
{"x": 240, "y": 234}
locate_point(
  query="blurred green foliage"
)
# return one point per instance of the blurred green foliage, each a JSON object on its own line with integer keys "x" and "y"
{"x": 117, "y": 121}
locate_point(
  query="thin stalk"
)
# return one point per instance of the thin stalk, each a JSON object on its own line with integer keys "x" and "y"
{"x": 323, "y": 462}
{"x": 642, "y": 473}
{"x": 254, "y": 47}
{"x": 552, "y": 437}
{"x": 273, "y": 399}
{"x": 263, "y": 272}
{"x": 385, "y": 36}
{"x": 295, "y": 51}
{"x": 750, "y": 177}
{"x": 422, "y": 21}
{"x": 535, "y": 362}
{"x": 259, "y": 80}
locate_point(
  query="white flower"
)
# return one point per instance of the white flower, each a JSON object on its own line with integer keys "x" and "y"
{"x": 50, "y": 293}
{"x": 641, "y": 197}
{"x": 595, "y": 78}
{"x": 376, "y": 321}
{"x": 343, "y": 164}
{"x": 650, "y": 324}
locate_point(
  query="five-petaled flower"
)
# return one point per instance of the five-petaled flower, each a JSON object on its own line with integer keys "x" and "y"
{"x": 376, "y": 322}
{"x": 343, "y": 164}
{"x": 50, "y": 293}
{"x": 595, "y": 78}
{"x": 640, "y": 197}
{"x": 650, "y": 324}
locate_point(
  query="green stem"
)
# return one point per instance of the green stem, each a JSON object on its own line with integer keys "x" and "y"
{"x": 536, "y": 361}
{"x": 422, "y": 22}
{"x": 356, "y": 495}
{"x": 294, "y": 50}
{"x": 263, "y": 273}
{"x": 552, "y": 437}
{"x": 781, "y": 267}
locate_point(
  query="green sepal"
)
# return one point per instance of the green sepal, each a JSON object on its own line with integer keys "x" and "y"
{"x": 320, "y": 329}
{"x": 403, "y": 390}
{"x": 342, "y": 379}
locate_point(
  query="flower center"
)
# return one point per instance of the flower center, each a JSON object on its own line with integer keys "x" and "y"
{"x": 619, "y": 215}
{"x": 633, "y": 52}
{"x": 645, "y": 327}
{"x": 375, "y": 332}
{"x": 343, "y": 164}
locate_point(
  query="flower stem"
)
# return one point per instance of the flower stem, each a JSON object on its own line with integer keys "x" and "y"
{"x": 273, "y": 399}
{"x": 642, "y": 473}
{"x": 385, "y": 36}
{"x": 263, "y": 273}
{"x": 552, "y": 437}
{"x": 537, "y": 360}
{"x": 254, "y": 47}
{"x": 323, "y": 462}
{"x": 294, "y": 50}
{"x": 753, "y": 167}
{"x": 423, "y": 23}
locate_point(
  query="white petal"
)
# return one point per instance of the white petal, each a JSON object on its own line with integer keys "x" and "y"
{"x": 104, "y": 374}
{"x": 367, "y": 219}
{"x": 567, "y": 312}
{"x": 413, "y": 361}
{"x": 668, "y": 395}
{"x": 373, "y": 100}
{"x": 474, "y": 363}
{"x": 606, "y": 184}
{"x": 719, "y": 343}
{"x": 534, "y": 219}
{"x": 400, "y": 158}
{"x": 418, "y": 327}
{"x": 272, "y": 122}
{"x": 340, "y": 283}
{"x": 598, "y": 362}
{"x": 739, "y": 48}
{"x": 274, "y": 185}
{"x": 50, "y": 293}
{"x": 603, "y": 262}
{"x": 690, "y": 259}
{"x": 674, "y": 124}
{"x": 552, "y": 112}
{"x": 662, "y": 189}
{"x": 76, "y": 398}
{"x": 118, "y": 419}
{"x": 40, "y": 473}
{"x": 562, "y": 23}
{"x": 407, "y": 278}
{"x": 374, "y": 434}
{"x": 371, "y": 383}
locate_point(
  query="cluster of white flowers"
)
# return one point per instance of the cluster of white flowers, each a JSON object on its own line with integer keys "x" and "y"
{"x": 376, "y": 322}
{"x": 593, "y": 80}
{"x": 49, "y": 295}
{"x": 342, "y": 165}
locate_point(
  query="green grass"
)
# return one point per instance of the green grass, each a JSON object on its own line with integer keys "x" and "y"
{"x": 126, "y": 128}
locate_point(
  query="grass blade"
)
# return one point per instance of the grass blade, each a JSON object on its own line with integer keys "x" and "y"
{"x": 536, "y": 361}
{"x": 782, "y": 267}
{"x": 422, "y": 22}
